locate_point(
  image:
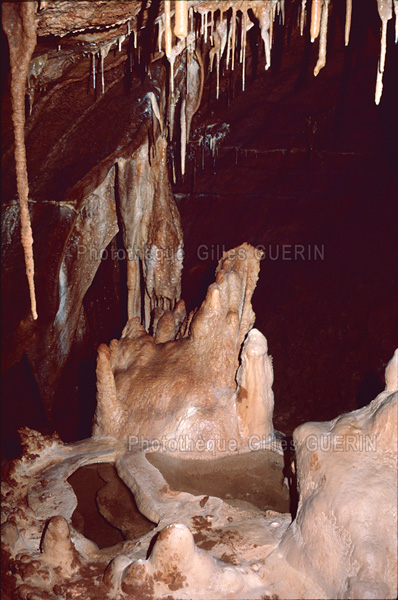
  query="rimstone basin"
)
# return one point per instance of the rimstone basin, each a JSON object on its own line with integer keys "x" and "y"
{"x": 256, "y": 478}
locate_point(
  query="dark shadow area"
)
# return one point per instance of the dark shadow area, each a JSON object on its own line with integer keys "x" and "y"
{"x": 106, "y": 511}
{"x": 370, "y": 387}
{"x": 23, "y": 408}
{"x": 289, "y": 471}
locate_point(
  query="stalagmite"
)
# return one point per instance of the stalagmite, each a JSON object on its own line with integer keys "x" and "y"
{"x": 348, "y": 21}
{"x": 315, "y": 18}
{"x": 385, "y": 13}
{"x": 58, "y": 549}
{"x": 181, "y": 18}
{"x": 255, "y": 396}
{"x": 20, "y": 26}
{"x": 323, "y": 38}
{"x": 107, "y": 402}
{"x": 217, "y": 331}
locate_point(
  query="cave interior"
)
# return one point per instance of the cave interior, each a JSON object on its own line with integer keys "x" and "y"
{"x": 301, "y": 167}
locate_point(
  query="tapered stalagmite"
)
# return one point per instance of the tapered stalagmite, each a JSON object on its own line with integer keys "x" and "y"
{"x": 185, "y": 402}
{"x": 58, "y": 549}
{"x": 107, "y": 402}
{"x": 255, "y": 396}
{"x": 20, "y": 26}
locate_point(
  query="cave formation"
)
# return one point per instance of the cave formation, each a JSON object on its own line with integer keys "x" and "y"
{"x": 142, "y": 141}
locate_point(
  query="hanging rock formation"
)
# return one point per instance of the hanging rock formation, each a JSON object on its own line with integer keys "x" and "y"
{"x": 151, "y": 231}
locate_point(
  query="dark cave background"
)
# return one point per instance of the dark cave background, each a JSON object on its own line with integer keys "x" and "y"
{"x": 307, "y": 161}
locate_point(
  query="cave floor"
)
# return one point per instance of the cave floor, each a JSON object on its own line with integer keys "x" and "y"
{"x": 107, "y": 514}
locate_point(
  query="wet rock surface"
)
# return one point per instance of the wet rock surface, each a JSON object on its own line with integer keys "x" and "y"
{"x": 256, "y": 478}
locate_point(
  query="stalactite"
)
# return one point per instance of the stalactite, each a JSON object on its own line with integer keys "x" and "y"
{"x": 36, "y": 67}
{"x": 348, "y": 21}
{"x": 183, "y": 128}
{"x": 94, "y": 58}
{"x": 229, "y": 38}
{"x": 263, "y": 15}
{"x": 167, "y": 26}
{"x": 155, "y": 109}
{"x": 160, "y": 33}
{"x": 103, "y": 52}
{"x": 219, "y": 44}
{"x": 120, "y": 41}
{"x": 385, "y": 12}
{"x": 315, "y": 18}
{"x": 396, "y": 20}
{"x": 191, "y": 22}
{"x": 195, "y": 83}
{"x": 20, "y": 26}
{"x": 272, "y": 19}
{"x": 181, "y": 18}
{"x": 282, "y": 4}
{"x": 242, "y": 37}
{"x": 302, "y": 16}
{"x": 233, "y": 36}
{"x": 202, "y": 22}
{"x": 323, "y": 38}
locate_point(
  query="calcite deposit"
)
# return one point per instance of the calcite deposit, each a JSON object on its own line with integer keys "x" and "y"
{"x": 185, "y": 375}
{"x": 272, "y": 556}
{"x": 341, "y": 543}
{"x": 98, "y": 92}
